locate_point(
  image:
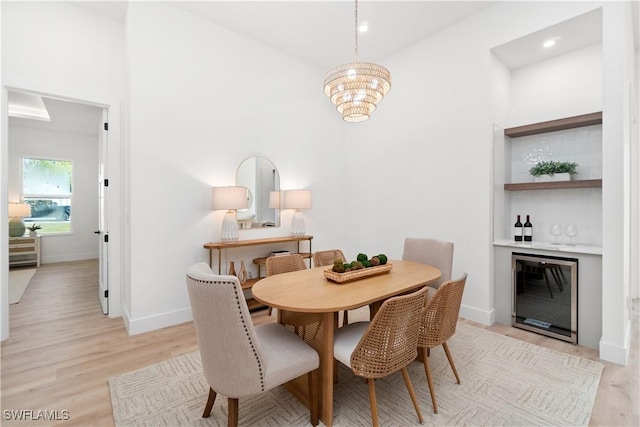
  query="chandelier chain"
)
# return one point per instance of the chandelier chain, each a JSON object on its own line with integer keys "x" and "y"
{"x": 356, "y": 16}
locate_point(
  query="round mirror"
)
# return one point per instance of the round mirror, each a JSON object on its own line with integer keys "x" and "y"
{"x": 261, "y": 177}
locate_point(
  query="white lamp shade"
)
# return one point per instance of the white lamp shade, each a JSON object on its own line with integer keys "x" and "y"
{"x": 274, "y": 199}
{"x": 19, "y": 210}
{"x": 229, "y": 198}
{"x": 297, "y": 199}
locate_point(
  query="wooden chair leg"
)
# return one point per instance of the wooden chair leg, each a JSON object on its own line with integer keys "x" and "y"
{"x": 453, "y": 365}
{"x": 427, "y": 370}
{"x": 372, "y": 400}
{"x": 407, "y": 381}
{"x": 345, "y": 318}
{"x": 210, "y": 401}
{"x": 312, "y": 379}
{"x": 233, "y": 412}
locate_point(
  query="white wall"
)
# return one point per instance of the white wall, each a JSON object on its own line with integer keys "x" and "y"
{"x": 564, "y": 86}
{"x": 82, "y": 150}
{"x": 202, "y": 99}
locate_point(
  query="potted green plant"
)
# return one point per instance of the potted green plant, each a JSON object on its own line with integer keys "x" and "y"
{"x": 33, "y": 230}
{"x": 553, "y": 171}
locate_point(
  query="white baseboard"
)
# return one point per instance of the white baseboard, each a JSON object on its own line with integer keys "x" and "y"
{"x": 477, "y": 315}
{"x": 146, "y": 324}
{"x": 50, "y": 259}
{"x": 615, "y": 353}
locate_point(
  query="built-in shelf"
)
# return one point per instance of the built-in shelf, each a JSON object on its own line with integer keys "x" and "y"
{"x": 554, "y": 185}
{"x": 555, "y": 125}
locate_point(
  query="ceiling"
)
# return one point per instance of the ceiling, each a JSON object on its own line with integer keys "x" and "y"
{"x": 65, "y": 116}
{"x": 323, "y": 33}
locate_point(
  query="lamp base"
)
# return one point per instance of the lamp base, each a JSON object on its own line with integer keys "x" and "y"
{"x": 297, "y": 224}
{"x": 229, "y": 233}
{"x": 16, "y": 227}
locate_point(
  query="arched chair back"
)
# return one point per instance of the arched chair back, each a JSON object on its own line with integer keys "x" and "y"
{"x": 433, "y": 252}
{"x": 235, "y": 363}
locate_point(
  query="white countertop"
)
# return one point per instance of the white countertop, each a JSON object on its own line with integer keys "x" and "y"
{"x": 578, "y": 248}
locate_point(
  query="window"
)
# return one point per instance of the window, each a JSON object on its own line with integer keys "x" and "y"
{"x": 47, "y": 188}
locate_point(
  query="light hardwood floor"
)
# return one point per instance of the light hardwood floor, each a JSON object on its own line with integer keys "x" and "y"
{"x": 62, "y": 350}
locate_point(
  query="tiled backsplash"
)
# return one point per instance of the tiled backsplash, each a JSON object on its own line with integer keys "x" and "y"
{"x": 582, "y": 146}
{"x": 579, "y": 207}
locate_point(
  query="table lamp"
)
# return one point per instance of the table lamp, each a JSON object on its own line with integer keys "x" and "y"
{"x": 229, "y": 199}
{"x": 297, "y": 199}
{"x": 274, "y": 200}
{"x": 17, "y": 211}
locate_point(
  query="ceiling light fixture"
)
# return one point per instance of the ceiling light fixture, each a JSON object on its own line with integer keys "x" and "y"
{"x": 549, "y": 43}
{"x": 357, "y": 88}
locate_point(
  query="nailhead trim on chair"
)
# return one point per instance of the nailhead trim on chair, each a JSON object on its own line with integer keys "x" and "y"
{"x": 246, "y": 330}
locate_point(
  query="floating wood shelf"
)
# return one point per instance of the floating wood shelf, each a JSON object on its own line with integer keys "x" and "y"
{"x": 555, "y": 185}
{"x": 555, "y": 125}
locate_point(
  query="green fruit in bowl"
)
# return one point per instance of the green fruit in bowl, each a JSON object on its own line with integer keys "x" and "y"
{"x": 383, "y": 259}
{"x": 362, "y": 257}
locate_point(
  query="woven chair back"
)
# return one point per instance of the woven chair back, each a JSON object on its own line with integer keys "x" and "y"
{"x": 324, "y": 258}
{"x": 390, "y": 341}
{"x": 284, "y": 264}
{"x": 441, "y": 314}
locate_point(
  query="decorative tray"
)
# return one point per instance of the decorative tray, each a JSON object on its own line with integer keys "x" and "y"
{"x": 351, "y": 276}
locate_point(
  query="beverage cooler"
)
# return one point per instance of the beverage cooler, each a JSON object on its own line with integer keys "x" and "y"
{"x": 545, "y": 295}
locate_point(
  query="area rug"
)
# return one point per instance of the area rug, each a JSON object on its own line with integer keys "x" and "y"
{"x": 18, "y": 282}
{"x": 504, "y": 382}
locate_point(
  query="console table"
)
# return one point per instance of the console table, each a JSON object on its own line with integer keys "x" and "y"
{"x": 219, "y": 246}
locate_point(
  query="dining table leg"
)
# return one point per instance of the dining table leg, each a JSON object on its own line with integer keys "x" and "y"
{"x": 327, "y": 369}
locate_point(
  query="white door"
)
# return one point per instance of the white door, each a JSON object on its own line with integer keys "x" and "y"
{"x": 103, "y": 230}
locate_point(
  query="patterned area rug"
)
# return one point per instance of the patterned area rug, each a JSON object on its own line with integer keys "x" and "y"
{"x": 504, "y": 382}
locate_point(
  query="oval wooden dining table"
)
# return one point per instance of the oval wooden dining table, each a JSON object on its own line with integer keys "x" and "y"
{"x": 308, "y": 291}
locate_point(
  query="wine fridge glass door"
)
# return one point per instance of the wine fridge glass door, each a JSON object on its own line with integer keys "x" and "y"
{"x": 545, "y": 295}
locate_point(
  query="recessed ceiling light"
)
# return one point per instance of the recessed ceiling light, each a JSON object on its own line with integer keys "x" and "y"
{"x": 363, "y": 27}
{"x": 551, "y": 42}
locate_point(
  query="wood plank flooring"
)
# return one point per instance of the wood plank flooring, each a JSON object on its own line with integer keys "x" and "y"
{"x": 62, "y": 350}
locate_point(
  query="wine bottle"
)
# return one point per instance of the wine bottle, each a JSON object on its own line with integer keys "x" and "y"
{"x": 528, "y": 230}
{"x": 517, "y": 230}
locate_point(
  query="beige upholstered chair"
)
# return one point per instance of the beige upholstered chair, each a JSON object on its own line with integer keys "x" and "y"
{"x": 324, "y": 258}
{"x": 238, "y": 359}
{"x": 433, "y": 252}
{"x": 439, "y": 322}
{"x": 385, "y": 345}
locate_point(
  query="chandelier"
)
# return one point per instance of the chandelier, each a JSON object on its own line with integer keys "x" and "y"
{"x": 357, "y": 88}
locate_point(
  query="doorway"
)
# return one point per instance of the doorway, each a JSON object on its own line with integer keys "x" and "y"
{"x": 55, "y": 128}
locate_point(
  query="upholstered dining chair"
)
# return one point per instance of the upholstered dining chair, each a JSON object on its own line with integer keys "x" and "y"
{"x": 326, "y": 258}
{"x": 385, "y": 345}
{"x": 238, "y": 359}
{"x": 434, "y": 252}
{"x": 439, "y": 321}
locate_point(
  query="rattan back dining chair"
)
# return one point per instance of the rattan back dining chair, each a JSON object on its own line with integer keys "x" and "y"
{"x": 283, "y": 264}
{"x": 324, "y": 258}
{"x": 327, "y": 258}
{"x": 385, "y": 345}
{"x": 437, "y": 253}
{"x": 238, "y": 359}
{"x": 439, "y": 322}
{"x": 287, "y": 264}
